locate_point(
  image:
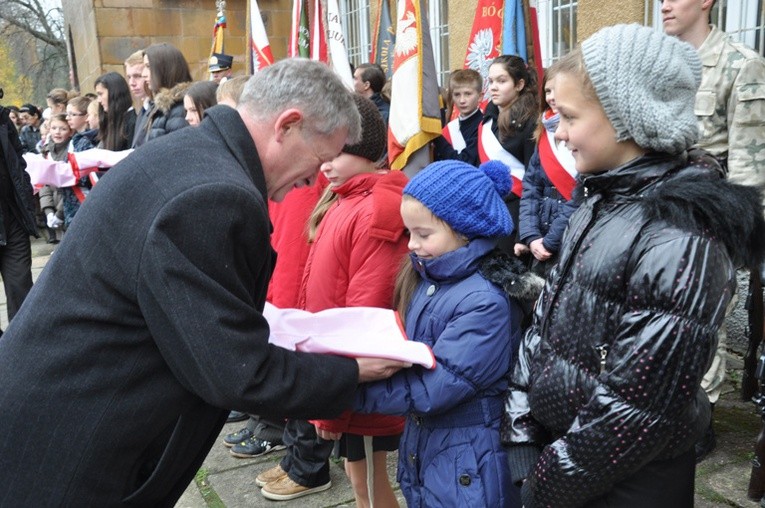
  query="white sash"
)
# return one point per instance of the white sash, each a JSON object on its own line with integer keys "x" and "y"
{"x": 493, "y": 150}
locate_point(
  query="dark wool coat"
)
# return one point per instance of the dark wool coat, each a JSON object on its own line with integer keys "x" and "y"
{"x": 467, "y": 309}
{"x": 115, "y": 397}
{"x": 607, "y": 378}
{"x": 11, "y": 151}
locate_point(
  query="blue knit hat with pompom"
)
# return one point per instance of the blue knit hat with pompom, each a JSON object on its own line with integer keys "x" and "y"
{"x": 467, "y": 198}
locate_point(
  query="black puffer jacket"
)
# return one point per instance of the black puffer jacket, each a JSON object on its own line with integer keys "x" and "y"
{"x": 607, "y": 378}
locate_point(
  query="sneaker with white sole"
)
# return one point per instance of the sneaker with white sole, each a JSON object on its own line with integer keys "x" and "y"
{"x": 254, "y": 447}
{"x": 237, "y": 437}
{"x": 285, "y": 489}
{"x": 270, "y": 475}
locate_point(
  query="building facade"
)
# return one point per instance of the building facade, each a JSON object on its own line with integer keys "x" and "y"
{"x": 102, "y": 33}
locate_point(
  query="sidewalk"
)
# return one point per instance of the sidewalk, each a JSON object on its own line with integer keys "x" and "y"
{"x": 225, "y": 481}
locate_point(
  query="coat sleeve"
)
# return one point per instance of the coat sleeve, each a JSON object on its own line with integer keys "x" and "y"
{"x": 372, "y": 268}
{"x": 661, "y": 349}
{"x": 531, "y": 202}
{"x": 554, "y": 236}
{"x": 203, "y": 267}
{"x": 746, "y": 106}
{"x": 522, "y": 435}
{"x": 472, "y": 353}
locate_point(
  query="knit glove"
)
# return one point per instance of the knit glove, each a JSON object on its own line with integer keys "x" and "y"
{"x": 53, "y": 221}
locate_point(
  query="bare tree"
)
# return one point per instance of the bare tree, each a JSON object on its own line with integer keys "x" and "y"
{"x": 34, "y": 30}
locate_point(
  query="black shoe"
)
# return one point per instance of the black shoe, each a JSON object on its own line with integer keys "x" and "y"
{"x": 255, "y": 447}
{"x": 237, "y": 437}
{"x": 237, "y": 416}
{"x": 706, "y": 444}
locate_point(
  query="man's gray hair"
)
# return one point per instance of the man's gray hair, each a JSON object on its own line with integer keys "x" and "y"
{"x": 308, "y": 85}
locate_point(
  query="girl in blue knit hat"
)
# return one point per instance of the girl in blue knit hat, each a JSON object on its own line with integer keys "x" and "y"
{"x": 605, "y": 405}
{"x": 461, "y": 296}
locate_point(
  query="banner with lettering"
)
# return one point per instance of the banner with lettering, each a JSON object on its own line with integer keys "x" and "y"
{"x": 338, "y": 54}
{"x": 383, "y": 39}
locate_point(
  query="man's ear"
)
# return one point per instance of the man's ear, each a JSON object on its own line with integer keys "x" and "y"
{"x": 287, "y": 120}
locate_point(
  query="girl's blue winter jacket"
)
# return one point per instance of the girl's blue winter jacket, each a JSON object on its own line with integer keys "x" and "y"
{"x": 450, "y": 453}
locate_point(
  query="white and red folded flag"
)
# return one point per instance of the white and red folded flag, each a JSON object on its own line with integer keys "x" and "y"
{"x": 358, "y": 332}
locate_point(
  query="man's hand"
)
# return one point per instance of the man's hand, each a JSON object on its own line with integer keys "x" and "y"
{"x": 539, "y": 251}
{"x": 374, "y": 369}
{"x": 519, "y": 249}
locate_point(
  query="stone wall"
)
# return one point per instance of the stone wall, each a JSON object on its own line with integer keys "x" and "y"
{"x": 105, "y": 32}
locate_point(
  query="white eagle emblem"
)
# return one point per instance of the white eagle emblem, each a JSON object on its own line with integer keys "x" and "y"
{"x": 406, "y": 36}
{"x": 478, "y": 55}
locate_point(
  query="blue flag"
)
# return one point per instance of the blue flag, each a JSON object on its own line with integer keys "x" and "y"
{"x": 514, "y": 30}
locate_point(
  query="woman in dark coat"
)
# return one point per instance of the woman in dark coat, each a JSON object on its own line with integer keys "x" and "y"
{"x": 167, "y": 73}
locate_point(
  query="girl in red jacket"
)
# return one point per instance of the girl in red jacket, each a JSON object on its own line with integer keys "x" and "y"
{"x": 357, "y": 242}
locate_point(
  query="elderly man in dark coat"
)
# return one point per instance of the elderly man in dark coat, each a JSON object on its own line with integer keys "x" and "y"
{"x": 115, "y": 370}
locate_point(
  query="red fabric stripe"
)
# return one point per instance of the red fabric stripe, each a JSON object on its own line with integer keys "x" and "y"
{"x": 557, "y": 174}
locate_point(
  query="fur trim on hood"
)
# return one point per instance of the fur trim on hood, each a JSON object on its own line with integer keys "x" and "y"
{"x": 165, "y": 99}
{"x": 699, "y": 200}
{"x": 509, "y": 273}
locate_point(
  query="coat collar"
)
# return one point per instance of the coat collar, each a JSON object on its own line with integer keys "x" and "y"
{"x": 454, "y": 265}
{"x": 357, "y": 184}
{"x": 228, "y": 125}
{"x": 634, "y": 176}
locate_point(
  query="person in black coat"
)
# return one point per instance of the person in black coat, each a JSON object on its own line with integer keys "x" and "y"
{"x": 147, "y": 336}
{"x": 17, "y": 210}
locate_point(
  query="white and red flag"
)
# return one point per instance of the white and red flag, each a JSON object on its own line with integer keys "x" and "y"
{"x": 260, "y": 49}
{"x": 415, "y": 116}
{"x": 318, "y": 34}
{"x": 338, "y": 54}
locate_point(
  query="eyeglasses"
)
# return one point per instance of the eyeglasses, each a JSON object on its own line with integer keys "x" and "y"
{"x": 76, "y": 114}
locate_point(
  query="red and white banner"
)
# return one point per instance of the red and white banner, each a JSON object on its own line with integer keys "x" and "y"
{"x": 337, "y": 51}
{"x": 558, "y": 164}
{"x": 318, "y": 34}
{"x": 260, "y": 49}
{"x": 484, "y": 45}
{"x": 415, "y": 115}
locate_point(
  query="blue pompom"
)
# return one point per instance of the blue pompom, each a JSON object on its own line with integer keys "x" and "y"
{"x": 499, "y": 174}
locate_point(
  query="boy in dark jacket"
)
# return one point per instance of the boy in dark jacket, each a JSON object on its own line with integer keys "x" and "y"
{"x": 459, "y": 139}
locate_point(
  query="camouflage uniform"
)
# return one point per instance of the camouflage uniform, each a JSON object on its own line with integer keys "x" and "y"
{"x": 730, "y": 106}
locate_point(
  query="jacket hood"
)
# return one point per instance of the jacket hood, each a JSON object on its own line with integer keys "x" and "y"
{"x": 688, "y": 192}
{"x": 481, "y": 255}
{"x": 167, "y": 98}
{"x": 700, "y": 200}
{"x": 511, "y": 274}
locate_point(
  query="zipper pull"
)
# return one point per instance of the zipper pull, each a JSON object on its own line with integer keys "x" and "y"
{"x": 603, "y": 351}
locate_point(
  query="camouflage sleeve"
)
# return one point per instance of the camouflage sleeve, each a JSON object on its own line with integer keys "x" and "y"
{"x": 746, "y": 124}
